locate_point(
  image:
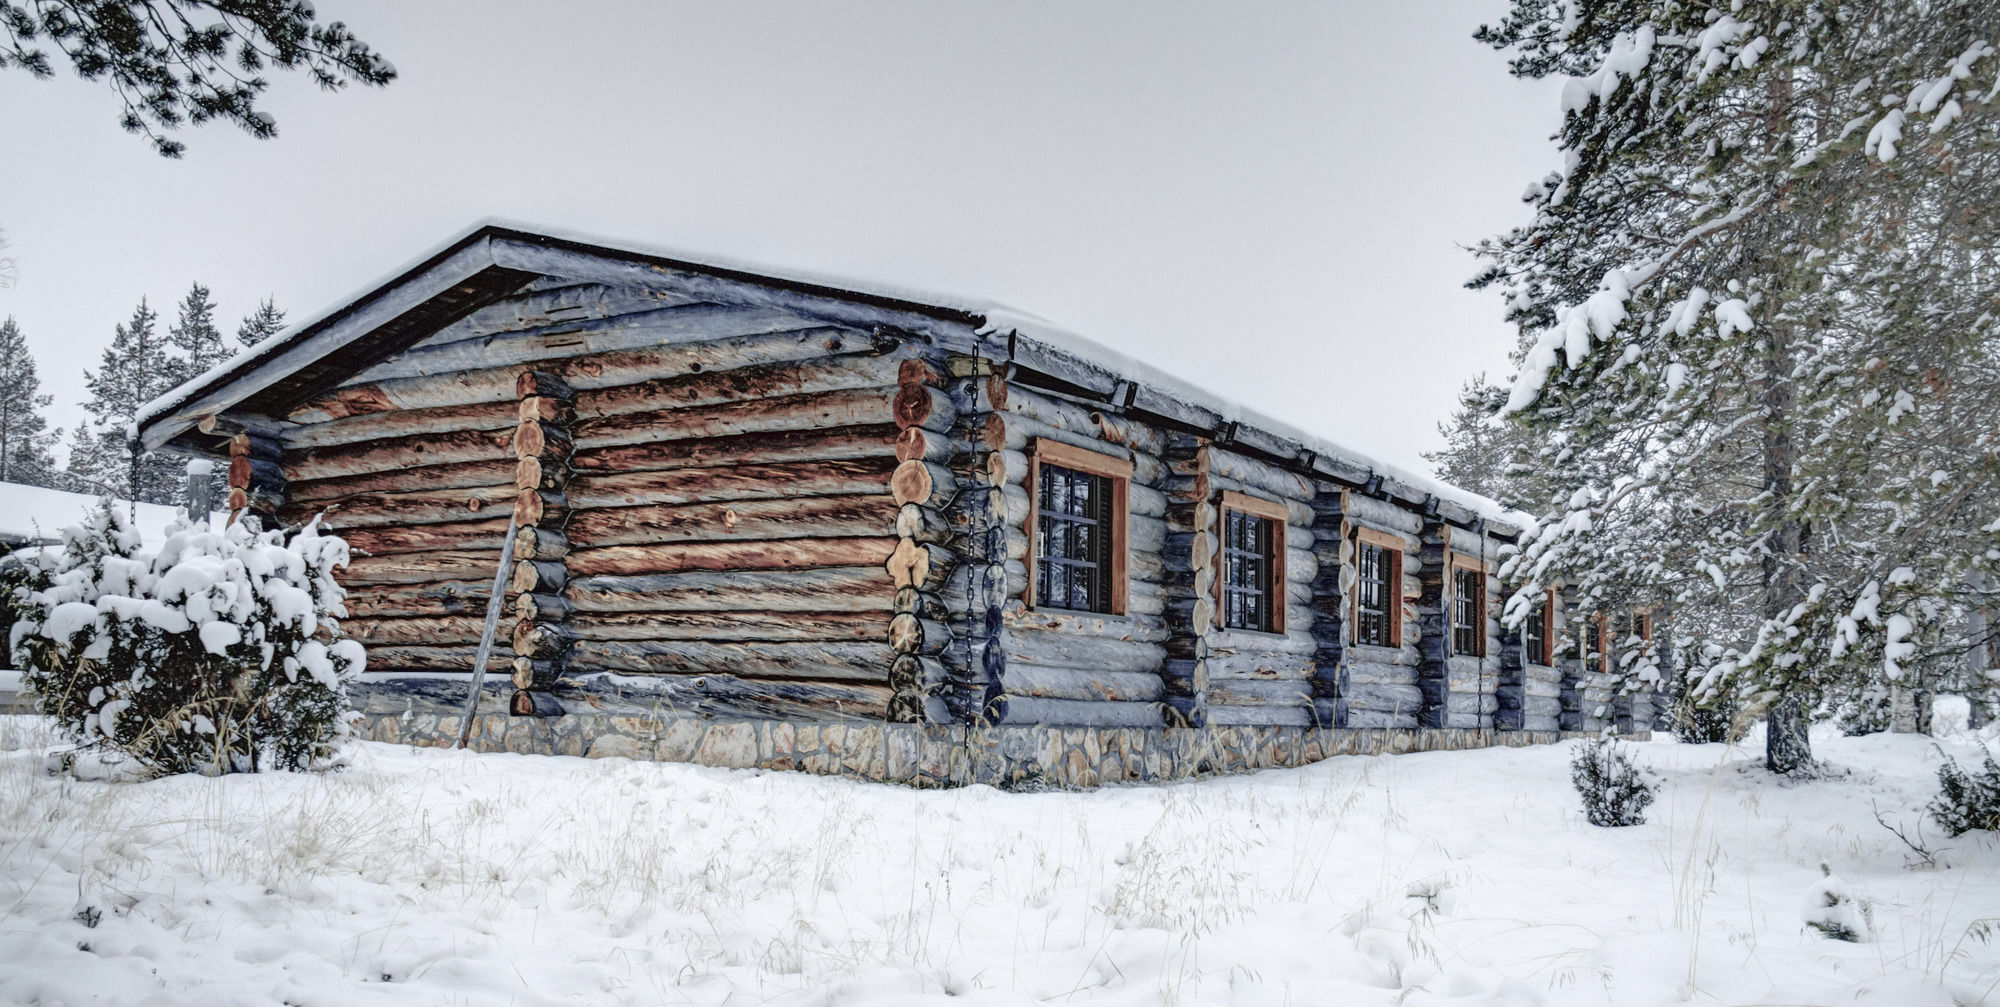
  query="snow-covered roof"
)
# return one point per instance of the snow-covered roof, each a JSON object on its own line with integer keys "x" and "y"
{"x": 37, "y": 515}
{"x": 983, "y": 316}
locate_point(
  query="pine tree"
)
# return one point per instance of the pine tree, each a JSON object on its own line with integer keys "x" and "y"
{"x": 87, "y": 469}
{"x": 1762, "y": 290}
{"x": 194, "y": 334}
{"x": 25, "y": 436}
{"x": 1479, "y": 454}
{"x": 135, "y": 369}
{"x": 262, "y": 324}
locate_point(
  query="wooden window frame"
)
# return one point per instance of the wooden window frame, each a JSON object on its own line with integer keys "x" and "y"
{"x": 1279, "y": 515}
{"x": 1548, "y": 654}
{"x": 1642, "y": 624}
{"x": 1601, "y": 622}
{"x": 1462, "y": 562}
{"x": 1394, "y": 548}
{"x": 1119, "y": 472}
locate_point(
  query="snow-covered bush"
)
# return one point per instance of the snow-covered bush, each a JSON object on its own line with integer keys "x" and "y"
{"x": 1837, "y": 913}
{"x": 218, "y": 653}
{"x": 1615, "y": 792}
{"x": 1967, "y": 801}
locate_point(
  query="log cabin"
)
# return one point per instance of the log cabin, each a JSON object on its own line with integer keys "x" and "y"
{"x": 747, "y": 517}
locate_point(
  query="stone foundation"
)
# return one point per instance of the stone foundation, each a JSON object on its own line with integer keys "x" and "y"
{"x": 918, "y": 755}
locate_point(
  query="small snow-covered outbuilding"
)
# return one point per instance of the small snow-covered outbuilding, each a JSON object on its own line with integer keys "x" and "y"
{"x": 767, "y": 519}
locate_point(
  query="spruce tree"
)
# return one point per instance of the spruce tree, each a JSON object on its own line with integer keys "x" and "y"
{"x": 25, "y": 436}
{"x": 134, "y": 370}
{"x": 1479, "y": 454}
{"x": 194, "y": 334}
{"x": 1762, "y": 337}
{"x": 87, "y": 469}
{"x": 262, "y": 324}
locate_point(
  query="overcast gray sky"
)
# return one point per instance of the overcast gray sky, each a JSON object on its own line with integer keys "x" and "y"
{"x": 1270, "y": 199}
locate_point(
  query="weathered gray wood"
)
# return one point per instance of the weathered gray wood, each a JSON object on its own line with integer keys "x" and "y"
{"x": 418, "y": 631}
{"x": 684, "y": 390}
{"x": 1384, "y": 516}
{"x": 420, "y": 568}
{"x": 496, "y": 472}
{"x": 785, "y": 480}
{"x": 722, "y": 695}
{"x": 797, "y": 626}
{"x": 1032, "y": 710}
{"x": 497, "y": 414}
{"x": 782, "y": 447}
{"x": 843, "y": 589}
{"x": 1061, "y": 650}
{"x": 925, "y": 524}
{"x": 444, "y": 447}
{"x": 864, "y": 662}
{"x": 1260, "y": 476}
{"x": 383, "y": 540}
{"x": 1131, "y": 627}
{"x": 813, "y": 411}
{"x": 375, "y": 510}
{"x": 386, "y": 601}
{"x": 484, "y": 652}
{"x": 1071, "y": 683}
{"x": 1248, "y": 663}
{"x": 1293, "y": 692}
{"x": 1226, "y": 715}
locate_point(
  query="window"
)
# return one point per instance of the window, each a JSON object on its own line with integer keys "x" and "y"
{"x": 1468, "y": 608}
{"x": 1251, "y": 577}
{"x": 1078, "y": 528}
{"x": 1642, "y": 625}
{"x": 1597, "y": 644}
{"x": 1378, "y": 590}
{"x": 1535, "y": 637}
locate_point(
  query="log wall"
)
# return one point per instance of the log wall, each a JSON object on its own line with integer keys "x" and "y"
{"x": 703, "y": 494}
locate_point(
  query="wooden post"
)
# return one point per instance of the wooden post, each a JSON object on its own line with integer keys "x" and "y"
{"x": 543, "y": 443}
{"x": 486, "y": 638}
{"x": 256, "y": 478}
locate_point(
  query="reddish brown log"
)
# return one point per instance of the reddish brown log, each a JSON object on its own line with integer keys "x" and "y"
{"x": 996, "y": 391}
{"x": 387, "y": 601}
{"x": 918, "y": 444}
{"x": 401, "y": 423}
{"x": 533, "y": 576}
{"x": 808, "y": 517}
{"x": 923, "y": 483}
{"x": 535, "y": 439}
{"x": 367, "y": 510}
{"x": 923, "y": 406}
{"x": 498, "y": 472}
{"x": 994, "y": 432}
{"x": 733, "y": 482}
{"x": 539, "y": 639}
{"x": 391, "y": 539}
{"x": 814, "y": 411}
{"x": 541, "y": 507}
{"x": 419, "y": 631}
{"x": 542, "y": 384}
{"x": 918, "y": 371}
{"x": 790, "y": 554}
{"x": 442, "y": 448}
{"x": 540, "y": 543}
{"x": 422, "y": 567}
{"x": 690, "y": 389}
{"x": 543, "y": 409}
{"x": 766, "y": 448}
{"x": 921, "y": 565}
{"x": 533, "y": 474}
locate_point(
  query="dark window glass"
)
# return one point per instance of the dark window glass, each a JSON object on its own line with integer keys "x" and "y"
{"x": 1247, "y": 550}
{"x": 1594, "y": 640}
{"x": 1535, "y": 635}
{"x": 1376, "y": 589}
{"x": 1468, "y": 612}
{"x": 1073, "y": 539}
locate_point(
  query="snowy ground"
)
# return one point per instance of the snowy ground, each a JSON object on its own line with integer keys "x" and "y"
{"x": 427, "y": 877}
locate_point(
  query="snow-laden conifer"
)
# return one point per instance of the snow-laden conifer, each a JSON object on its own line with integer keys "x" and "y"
{"x": 1759, "y": 335}
{"x": 220, "y": 652}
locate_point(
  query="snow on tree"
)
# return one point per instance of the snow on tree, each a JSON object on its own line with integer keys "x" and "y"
{"x": 25, "y": 436}
{"x": 1762, "y": 342}
{"x": 262, "y": 324}
{"x": 1478, "y": 454}
{"x": 187, "y": 61}
{"x": 194, "y": 334}
{"x": 134, "y": 370}
{"x": 221, "y": 652}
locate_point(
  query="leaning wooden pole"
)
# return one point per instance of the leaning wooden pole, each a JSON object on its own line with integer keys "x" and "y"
{"x": 486, "y": 635}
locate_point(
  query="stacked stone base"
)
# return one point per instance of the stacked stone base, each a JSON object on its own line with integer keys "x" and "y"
{"x": 917, "y": 755}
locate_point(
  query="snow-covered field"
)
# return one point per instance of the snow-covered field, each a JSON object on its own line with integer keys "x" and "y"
{"x": 429, "y": 877}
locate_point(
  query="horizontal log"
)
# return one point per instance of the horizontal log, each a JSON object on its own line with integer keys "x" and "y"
{"x": 447, "y": 447}
{"x": 865, "y": 662}
{"x": 839, "y": 477}
{"x": 1383, "y": 697}
{"x": 1286, "y": 486}
{"x": 925, "y": 524}
{"x": 418, "y": 631}
{"x": 803, "y": 517}
{"x": 383, "y": 601}
{"x": 541, "y": 607}
{"x": 923, "y": 483}
{"x": 913, "y": 634}
{"x": 540, "y": 639}
{"x": 1074, "y": 684}
{"x": 924, "y": 406}
{"x": 394, "y": 424}
{"x": 373, "y": 510}
{"x": 541, "y": 508}
{"x": 537, "y": 474}
{"x": 1141, "y": 437}
{"x": 421, "y": 567}
{"x": 547, "y": 409}
{"x": 534, "y": 576}
{"x": 1015, "y": 432}
{"x": 544, "y": 441}
{"x": 497, "y": 472}
{"x": 785, "y": 554}
{"x": 1259, "y": 692}
{"x": 817, "y": 446}
{"x": 641, "y": 344}
{"x": 1031, "y": 710}
{"x": 391, "y": 539}
{"x": 1366, "y": 511}
{"x": 842, "y": 589}
{"x": 860, "y": 627}
{"x": 918, "y": 444}
{"x": 1130, "y": 627}
{"x": 540, "y": 543}
{"x": 538, "y": 384}
{"x": 710, "y": 387}
{"x": 533, "y": 704}
{"x": 1062, "y": 650}
{"x": 812, "y": 411}
{"x": 726, "y": 695}
{"x": 1360, "y": 671}
{"x": 530, "y": 673}
{"x": 423, "y": 658}
{"x": 1253, "y": 664}
{"x": 919, "y": 565}
{"x": 1230, "y": 715}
